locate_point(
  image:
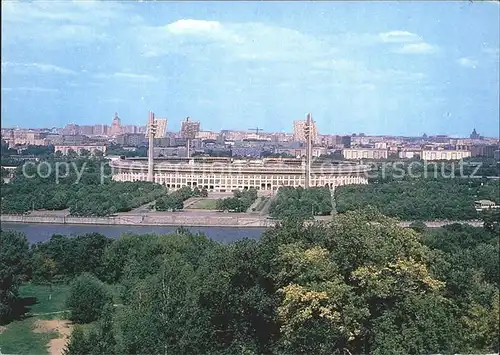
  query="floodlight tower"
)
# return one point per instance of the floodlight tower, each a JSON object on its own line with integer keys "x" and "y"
{"x": 189, "y": 130}
{"x": 151, "y": 136}
{"x": 308, "y": 135}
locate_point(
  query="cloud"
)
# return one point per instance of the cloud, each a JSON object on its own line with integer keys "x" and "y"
{"x": 135, "y": 77}
{"x": 128, "y": 76}
{"x": 50, "y": 23}
{"x": 467, "y": 62}
{"x": 33, "y": 89}
{"x": 41, "y": 67}
{"x": 193, "y": 26}
{"x": 416, "y": 48}
{"x": 399, "y": 37}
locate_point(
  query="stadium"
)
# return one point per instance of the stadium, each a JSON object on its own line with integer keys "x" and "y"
{"x": 226, "y": 174}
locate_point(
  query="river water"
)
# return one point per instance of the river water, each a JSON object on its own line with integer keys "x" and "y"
{"x": 41, "y": 232}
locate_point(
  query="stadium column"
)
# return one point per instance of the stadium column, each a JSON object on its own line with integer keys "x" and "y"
{"x": 308, "y": 136}
{"x": 151, "y": 134}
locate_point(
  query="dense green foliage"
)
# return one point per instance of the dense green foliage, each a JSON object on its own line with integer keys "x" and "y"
{"x": 87, "y": 299}
{"x": 72, "y": 256}
{"x": 420, "y": 199}
{"x": 300, "y": 202}
{"x": 83, "y": 185}
{"x": 397, "y": 169}
{"x": 357, "y": 284}
{"x": 174, "y": 201}
{"x": 240, "y": 202}
{"x": 466, "y": 259}
{"x": 14, "y": 261}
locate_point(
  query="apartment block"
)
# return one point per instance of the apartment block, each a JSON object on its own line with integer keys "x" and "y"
{"x": 65, "y": 149}
{"x": 445, "y": 154}
{"x": 364, "y": 153}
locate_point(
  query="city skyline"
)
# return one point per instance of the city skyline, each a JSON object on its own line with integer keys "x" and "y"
{"x": 227, "y": 64}
{"x": 164, "y": 125}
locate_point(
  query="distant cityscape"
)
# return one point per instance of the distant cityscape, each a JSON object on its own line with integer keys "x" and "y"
{"x": 248, "y": 143}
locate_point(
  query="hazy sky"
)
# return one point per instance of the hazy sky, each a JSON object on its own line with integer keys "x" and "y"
{"x": 373, "y": 67}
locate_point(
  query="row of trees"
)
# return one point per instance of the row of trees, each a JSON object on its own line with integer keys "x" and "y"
{"x": 420, "y": 199}
{"x": 306, "y": 203}
{"x": 114, "y": 149}
{"x": 84, "y": 186}
{"x": 319, "y": 288}
{"x": 240, "y": 202}
{"x": 397, "y": 169}
{"x": 174, "y": 201}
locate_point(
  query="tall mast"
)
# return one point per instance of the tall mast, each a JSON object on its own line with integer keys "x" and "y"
{"x": 308, "y": 134}
{"x": 151, "y": 134}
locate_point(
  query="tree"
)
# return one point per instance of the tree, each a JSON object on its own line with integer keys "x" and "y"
{"x": 84, "y": 152}
{"x": 337, "y": 279}
{"x": 44, "y": 270}
{"x": 491, "y": 219}
{"x": 71, "y": 154}
{"x": 293, "y": 202}
{"x": 87, "y": 298}
{"x": 14, "y": 262}
{"x": 204, "y": 192}
{"x": 78, "y": 343}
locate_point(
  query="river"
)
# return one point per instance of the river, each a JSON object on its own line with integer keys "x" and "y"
{"x": 41, "y": 232}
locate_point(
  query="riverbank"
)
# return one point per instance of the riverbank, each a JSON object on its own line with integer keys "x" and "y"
{"x": 186, "y": 219}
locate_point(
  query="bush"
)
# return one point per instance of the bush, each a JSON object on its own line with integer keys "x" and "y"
{"x": 87, "y": 298}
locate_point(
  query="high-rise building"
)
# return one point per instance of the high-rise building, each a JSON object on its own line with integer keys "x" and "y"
{"x": 130, "y": 129}
{"x": 100, "y": 129}
{"x": 474, "y": 135}
{"x": 131, "y": 139}
{"x": 71, "y": 129}
{"x": 116, "y": 126}
{"x": 87, "y": 130}
{"x": 299, "y": 131}
{"x": 189, "y": 130}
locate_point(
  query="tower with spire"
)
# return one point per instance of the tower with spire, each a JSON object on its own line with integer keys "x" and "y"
{"x": 474, "y": 134}
{"x": 116, "y": 126}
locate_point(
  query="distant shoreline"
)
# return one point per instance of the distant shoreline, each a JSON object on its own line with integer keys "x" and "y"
{"x": 181, "y": 220}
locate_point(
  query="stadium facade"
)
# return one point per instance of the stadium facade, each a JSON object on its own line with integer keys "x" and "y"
{"x": 226, "y": 174}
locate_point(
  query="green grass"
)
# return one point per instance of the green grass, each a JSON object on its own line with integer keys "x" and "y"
{"x": 40, "y": 293}
{"x": 204, "y": 204}
{"x": 20, "y": 339}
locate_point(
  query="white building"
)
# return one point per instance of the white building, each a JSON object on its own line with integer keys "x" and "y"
{"x": 224, "y": 175}
{"x": 445, "y": 154}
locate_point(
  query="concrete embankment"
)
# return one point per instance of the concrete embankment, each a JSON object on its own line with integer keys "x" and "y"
{"x": 145, "y": 220}
{"x": 181, "y": 219}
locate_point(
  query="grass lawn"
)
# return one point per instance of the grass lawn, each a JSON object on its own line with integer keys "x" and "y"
{"x": 19, "y": 338}
{"x": 204, "y": 204}
{"x": 36, "y": 298}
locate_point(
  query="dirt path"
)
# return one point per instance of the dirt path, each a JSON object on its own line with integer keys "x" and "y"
{"x": 63, "y": 327}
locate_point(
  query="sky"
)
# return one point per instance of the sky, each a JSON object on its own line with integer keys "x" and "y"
{"x": 401, "y": 68}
